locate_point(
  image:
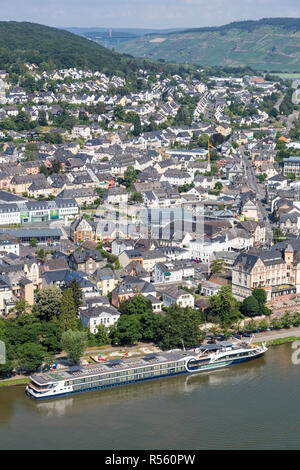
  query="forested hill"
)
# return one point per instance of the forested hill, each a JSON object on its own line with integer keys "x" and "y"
{"x": 55, "y": 48}
{"x": 271, "y": 44}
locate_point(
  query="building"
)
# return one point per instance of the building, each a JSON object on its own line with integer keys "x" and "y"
{"x": 180, "y": 297}
{"x": 291, "y": 165}
{"x": 9, "y": 243}
{"x": 83, "y": 229}
{"x": 277, "y": 271}
{"x": 86, "y": 260}
{"x": 93, "y": 317}
{"x": 106, "y": 280}
{"x": 37, "y": 211}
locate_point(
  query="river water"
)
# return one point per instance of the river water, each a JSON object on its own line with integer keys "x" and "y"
{"x": 248, "y": 406}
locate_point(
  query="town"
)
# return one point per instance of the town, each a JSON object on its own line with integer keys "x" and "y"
{"x": 131, "y": 211}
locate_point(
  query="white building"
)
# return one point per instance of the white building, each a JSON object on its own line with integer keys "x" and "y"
{"x": 102, "y": 315}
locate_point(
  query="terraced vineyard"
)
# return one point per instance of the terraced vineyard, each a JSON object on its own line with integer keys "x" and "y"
{"x": 270, "y": 45}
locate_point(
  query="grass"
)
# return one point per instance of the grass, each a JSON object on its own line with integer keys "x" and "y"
{"x": 10, "y": 382}
{"x": 276, "y": 342}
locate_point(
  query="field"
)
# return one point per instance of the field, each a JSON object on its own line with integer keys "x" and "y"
{"x": 289, "y": 76}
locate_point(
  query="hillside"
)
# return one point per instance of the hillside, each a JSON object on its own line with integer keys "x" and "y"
{"x": 268, "y": 44}
{"x": 55, "y": 48}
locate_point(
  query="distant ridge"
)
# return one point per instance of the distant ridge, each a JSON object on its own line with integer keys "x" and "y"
{"x": 49, "y": 47}
{"x": 270, "y": 44}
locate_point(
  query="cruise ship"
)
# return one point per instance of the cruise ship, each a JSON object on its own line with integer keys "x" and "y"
{"x": 114, "y": 373}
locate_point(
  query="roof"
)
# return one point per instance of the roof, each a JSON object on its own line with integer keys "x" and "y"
{"x": 35, "y": 233}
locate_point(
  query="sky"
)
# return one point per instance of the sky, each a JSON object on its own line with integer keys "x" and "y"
{"x": 160, "y": 14}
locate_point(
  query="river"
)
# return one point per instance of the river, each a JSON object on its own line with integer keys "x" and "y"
{"x": 254, "y": 405}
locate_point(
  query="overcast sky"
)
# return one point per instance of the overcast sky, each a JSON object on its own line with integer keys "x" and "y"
{"x": 144, "y": 13}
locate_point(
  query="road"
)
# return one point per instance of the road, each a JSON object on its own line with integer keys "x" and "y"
{"x": 277, "y": 334}
{"x": 277, "y": 105}
{"x": 258, "y": 189}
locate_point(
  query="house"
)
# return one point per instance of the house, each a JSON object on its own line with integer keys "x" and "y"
{"x": 83, "y": 229}
{"x": 93, "y": 317}
{"x": 167, "y": 272}
{"x": 86, "y": 260}
{"x": 249, "y": 210}
{"x": 116, "y": 196}
{"x": 174, "y": 295}
{"x": 106, "y": 280}
{"x": 257, "y": 229}
{"x": 82, "y": 196}
{"x": 9, "y": 244}
{"x": 147, "y": 258}
{"x": 129, "y": 287}
{"x": 6, "y": 295}
{"x": 81, "y": 131}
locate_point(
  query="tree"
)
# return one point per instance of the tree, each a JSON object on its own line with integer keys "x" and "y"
{"x": 223, "y": 307}
{"x": 250, "y": 306}
{"x": 179, "y": 327}
{"x": 76, "y": 292}
{"x": 278, "y": 236}
{"x": 137, "y": 126}
{"x": 33, "y": 242}
{"x": 136, "y": 197}
{"x": 21, "y": 307}
{"x": 217, "y": 266}
{"x": 68, "y": 318}
{"x": 260, "y": 295}
{"x": 31, "y": 356}
{"x": 119, "y": 113}
{"x": 102, "y": 336}
{"x": 130, "y": 176}
{"x": 127, "y": 330}
{"x": 48, "y": 302}
{"x": 74, "y": 343}
{"x": 138, "y": 305}
{"x": 42, "y": 118}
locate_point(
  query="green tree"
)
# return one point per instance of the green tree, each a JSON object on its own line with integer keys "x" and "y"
{"x": 48, "y": 302}
{"x": 250, "y": 306}
{"x": 138, "y": 305}
{"x": 137, "y": 126}
{"x": 119, "y": 113}
{"x": 136, "y": 197}
{"x": 260, "y": 295}
{"x": 74, "y": 343}
{"x": 130, "y": 176}
{"x": 223, "y": 307}
{"x": 68, "y": 317}
{"x": 127, "y": 330}
{"x": 21, "y": 307}
{"x": 31, "y": 355}
{"x": 180, "y": 327}
{"x": 217, "y": 266}
{"x": 102, "y": 336}
{"x": 33, "y": 242}
{"x": 76, "y": 293}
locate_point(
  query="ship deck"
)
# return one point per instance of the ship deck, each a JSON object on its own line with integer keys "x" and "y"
{"x": 110, "y": 366}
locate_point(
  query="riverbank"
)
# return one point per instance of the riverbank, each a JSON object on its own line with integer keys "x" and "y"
{"x": 271, "y": 338}
{"x": 274, "y": 337}
{"x": 14, "y": 381}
